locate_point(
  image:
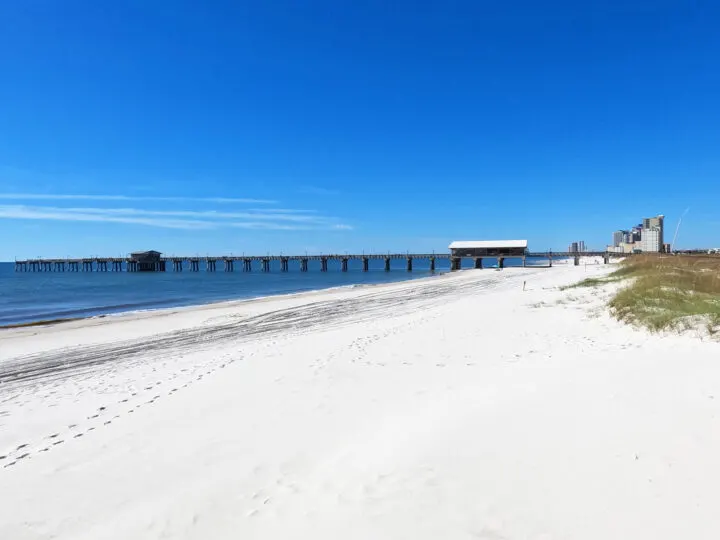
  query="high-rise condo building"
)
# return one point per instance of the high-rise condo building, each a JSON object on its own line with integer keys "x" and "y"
{"x": 618, "y": 238}
{"x": 651, "y": 241}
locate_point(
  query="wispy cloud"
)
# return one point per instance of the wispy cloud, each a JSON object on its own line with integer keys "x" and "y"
{"x": 51, "y": 214}
{"x": 170, "y": 219}
{"x": 271, "y": 226}
{"x": 84, "y": 197}
{"x": 261, "y": 215}
{"x": 282, "y": 210}
{"x": 318, "y": 190}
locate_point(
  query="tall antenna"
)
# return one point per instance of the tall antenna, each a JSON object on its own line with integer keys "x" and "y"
{"x": 677, "y": 229}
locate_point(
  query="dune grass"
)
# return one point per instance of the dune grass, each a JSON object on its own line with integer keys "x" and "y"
{"x": 592, "y": 282}
{"x": 669, "y": 291}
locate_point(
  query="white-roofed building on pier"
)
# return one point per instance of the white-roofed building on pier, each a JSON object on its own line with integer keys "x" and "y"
{"x": 479, "y": 249}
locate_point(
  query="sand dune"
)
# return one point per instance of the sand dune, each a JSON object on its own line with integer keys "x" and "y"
{"x": 452, "y": 407}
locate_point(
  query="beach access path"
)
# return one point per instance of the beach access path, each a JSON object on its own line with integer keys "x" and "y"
{"x": 457, "y": 407}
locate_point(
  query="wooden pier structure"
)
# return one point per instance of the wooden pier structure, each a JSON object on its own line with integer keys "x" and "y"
{"x": 155, "y": 262}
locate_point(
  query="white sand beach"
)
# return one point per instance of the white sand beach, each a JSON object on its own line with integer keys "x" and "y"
{"x": 452, "y": 407}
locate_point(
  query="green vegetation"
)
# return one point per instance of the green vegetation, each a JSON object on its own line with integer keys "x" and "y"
{"x": 594, "y": 282}
{"x": 670, "y": 292}
{"x": 665, "y": 291}
{"x": 589, "y": 282}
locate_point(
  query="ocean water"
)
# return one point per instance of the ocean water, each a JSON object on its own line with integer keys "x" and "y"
{"x": 28, "y": 296}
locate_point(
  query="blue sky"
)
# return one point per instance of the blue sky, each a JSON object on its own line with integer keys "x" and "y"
{"x": 195, "y": 127}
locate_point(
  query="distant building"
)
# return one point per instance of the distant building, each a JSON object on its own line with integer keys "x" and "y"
{"x": 656, "y": 238}
{"x": 577, "y": 247}
{"x": 619, "y": 237}
{"x": 646, "y": 236}
{"x": 651, "y": 240}
{"x": 623, "y": 248}
{"x": 653, "y": 222}
{"x": 667, "y": 248}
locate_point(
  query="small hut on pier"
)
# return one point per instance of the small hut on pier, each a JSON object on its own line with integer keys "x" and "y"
{"x": 146, "y": 261}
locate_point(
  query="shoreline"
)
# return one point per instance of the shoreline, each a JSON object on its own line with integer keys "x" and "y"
{"x": 110, "y": 311}
{"x": 211, "y": 304}
{"x": 149, "y": 322}
{"x": 46, "y": 322}
{"x": 130, "y": 312}
{"x": 44, "y": 318}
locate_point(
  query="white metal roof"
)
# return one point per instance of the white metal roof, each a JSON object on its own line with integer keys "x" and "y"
{"x": 485, "y": 244}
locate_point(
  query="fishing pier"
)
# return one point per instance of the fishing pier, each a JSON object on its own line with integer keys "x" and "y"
{"x": 154, "y": 261}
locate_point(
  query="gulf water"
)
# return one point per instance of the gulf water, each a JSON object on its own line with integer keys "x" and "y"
{"x": 39, "y": 296}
